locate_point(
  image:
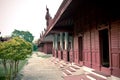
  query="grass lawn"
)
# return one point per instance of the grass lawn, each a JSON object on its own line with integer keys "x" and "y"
{"x": 21, "y": 65}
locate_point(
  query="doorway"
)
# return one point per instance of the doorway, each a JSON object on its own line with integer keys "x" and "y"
{"x": 104, "y": 47}
{"x": 68, "y": 56}
{"x": 80, "y": 44}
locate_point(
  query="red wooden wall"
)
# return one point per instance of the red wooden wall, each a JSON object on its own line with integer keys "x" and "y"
{"x": 47, "y": 48}
{"x": 86, "y": 47}
{"x": 91, "y": 47}
{"x": 115, "y": 48}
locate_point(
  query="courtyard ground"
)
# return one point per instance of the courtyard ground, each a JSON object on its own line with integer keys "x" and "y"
{"x": 40, "y": 67}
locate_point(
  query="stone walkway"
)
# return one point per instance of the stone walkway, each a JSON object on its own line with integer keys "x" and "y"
{"x": 44, "y": 67}
{"x": 41, "y": 68}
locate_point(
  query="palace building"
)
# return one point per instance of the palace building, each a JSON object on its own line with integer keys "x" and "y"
{"x": 86, "y": 32}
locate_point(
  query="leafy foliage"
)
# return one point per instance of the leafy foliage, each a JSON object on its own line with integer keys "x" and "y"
{"x": 13, "y": 51}
{"x": 15, "y": 48}
{"x": 23, "y": 34}
{"x": 35, "y": 48}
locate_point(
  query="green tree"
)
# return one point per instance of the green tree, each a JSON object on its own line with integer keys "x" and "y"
{"x": 12, "y": 51}
{"x": 35, "y": 48}
{"x": 24, "y": 34}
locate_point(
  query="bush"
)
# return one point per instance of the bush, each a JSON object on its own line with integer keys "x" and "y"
{"x": 11, "y": 52}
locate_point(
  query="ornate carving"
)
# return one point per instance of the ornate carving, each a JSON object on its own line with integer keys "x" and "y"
{"x": 47, "y": 17}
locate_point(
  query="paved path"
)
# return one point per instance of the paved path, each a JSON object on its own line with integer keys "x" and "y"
{"x": 39, "y": 68}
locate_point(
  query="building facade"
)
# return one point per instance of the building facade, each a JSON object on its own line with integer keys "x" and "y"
{"x": 88, "y": 33}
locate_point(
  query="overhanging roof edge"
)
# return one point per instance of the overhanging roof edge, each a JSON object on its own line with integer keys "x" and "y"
{"x": 60, "y": 11}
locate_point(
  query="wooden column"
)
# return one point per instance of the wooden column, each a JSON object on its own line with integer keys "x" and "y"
{"x": 61, "y": 45}
{"x": 58, "y": 46}
{"x": 71, "y": 49}
{"x": 65, "y": 52}
{"x": 71, "y": 41}
{"x": 61, "y": 41}
{"x": 56, "y": 42}
{"x": 66, "y": 40}
{"x": 53, "y": 49}
{"x": 55, "y": 45}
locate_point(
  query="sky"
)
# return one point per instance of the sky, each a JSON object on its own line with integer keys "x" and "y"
{"x": 26, "y": 15}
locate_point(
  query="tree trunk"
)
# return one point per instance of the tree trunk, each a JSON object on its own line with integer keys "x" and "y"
{"x": 11, "y": 69}
{"x": 17, "y": 65}
{"x": 4, "y": 62}
{"x": 16, "y": 68}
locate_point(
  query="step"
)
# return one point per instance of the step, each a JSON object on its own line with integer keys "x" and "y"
{"x": 61, "y": 66}
{"x": 101, "y": 73}
{"x": 64, "y": 64}
{"x": 94, "y": 77}
{"x": 55, "y": 61}
{"x": 75, "y": 67}
{"x": 66, "y": 73}
{"x": 76, "y": 77}
{"x": 71, "y": 69}
{"x": 52, "y": 60}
